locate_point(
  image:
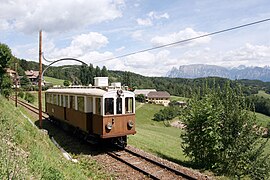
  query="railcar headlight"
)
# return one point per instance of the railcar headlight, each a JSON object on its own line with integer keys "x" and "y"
{"x": 130, "y": 123}
{"x": 109, "y": 126}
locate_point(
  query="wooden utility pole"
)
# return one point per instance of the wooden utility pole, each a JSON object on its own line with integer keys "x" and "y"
{"x": 16, "y": 84}
{"x": 40, "y": 80}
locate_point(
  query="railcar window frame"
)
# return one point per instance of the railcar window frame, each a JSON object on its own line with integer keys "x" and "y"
{"x": 109, "y": 106}
{"x": 129, "y": 105}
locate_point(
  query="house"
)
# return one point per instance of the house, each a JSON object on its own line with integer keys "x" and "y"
{"x": 32, "y": 76}
{"x": 12, "y": 74}
{"x": 143, "y": 92}
{"x": 159, "y": 97}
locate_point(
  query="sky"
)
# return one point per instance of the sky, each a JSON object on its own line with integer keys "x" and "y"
{"x": 94, "y": 31}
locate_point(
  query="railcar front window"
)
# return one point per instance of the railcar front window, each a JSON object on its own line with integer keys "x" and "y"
{"x": 72, "y": 102}
{"x": 109, "y": 106}
{"x": 119, "y": 106}
{"x": 129, "y": 105}
{"x": 80, "y": 101}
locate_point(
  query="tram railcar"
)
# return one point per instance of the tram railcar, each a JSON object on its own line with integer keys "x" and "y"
{"x": 104, "y": 113}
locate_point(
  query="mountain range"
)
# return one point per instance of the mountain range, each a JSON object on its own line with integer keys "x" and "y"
{"x": 202, "y": 70}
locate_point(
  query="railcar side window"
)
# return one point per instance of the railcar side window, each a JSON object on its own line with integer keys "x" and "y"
{"x": 119, "y": 106}
{"x": 72, "y": 102}
{"x": 129, "y": 105}
{"x": 48, "y": 98}
{"x": 109, "y": 106}
{"x": 62, "y": 100}
{"x": 59, "y": 100}
{"x": 98, "y": 106}
{"x": 80, "y": 100}
{"x": 66, "y": 101}
{"x": 55, "y": 99}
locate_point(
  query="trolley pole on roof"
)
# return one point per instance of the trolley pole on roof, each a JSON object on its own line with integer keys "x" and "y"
{"x": 40, "y": 80}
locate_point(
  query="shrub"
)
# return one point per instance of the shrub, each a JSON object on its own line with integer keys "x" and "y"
{"x": 30, "y": 98}
{"x": 21, "y": 94}
{"x": 220, "y": 134}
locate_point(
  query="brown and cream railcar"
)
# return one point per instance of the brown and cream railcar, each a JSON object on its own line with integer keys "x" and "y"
{"x": 106, "y": 114}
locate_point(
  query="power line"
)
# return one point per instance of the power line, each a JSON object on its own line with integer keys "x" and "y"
{"x": 185, "y": 40}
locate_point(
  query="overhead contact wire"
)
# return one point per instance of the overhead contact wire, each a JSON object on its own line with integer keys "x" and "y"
{"x": 185, "y": 40}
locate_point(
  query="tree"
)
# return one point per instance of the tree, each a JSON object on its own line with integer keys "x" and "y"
{"x": 140, "y": 98}
{"x": 97, "y": 72}
{"x": 104, "y": 72}
{"x": 6, "y": 86}
{"x": 66, "y": 83}
{"x": 5, "y": 56}
{"x": 220, "y": 134}
{"x": 84, "y": 77}
{"x": 25, "y": 82}
{"x": 91, "y": 71}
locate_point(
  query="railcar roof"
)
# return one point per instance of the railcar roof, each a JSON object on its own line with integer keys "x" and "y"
{"x": 79, "y": 91}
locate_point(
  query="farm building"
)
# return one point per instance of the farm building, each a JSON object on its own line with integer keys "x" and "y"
{"x": 159, "y": 97}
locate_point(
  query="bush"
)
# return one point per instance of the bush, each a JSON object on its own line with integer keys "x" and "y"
{"x": 220, "y": 134}
{"x": 21, "y": 94}
{"x": 140, "y": 98}
{"x": 30, "y": 98}
{"x": 66, "y": 83}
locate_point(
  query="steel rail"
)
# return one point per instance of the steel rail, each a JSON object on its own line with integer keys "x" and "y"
{"x": 133, "y": 166}
{"x": 29, "y": 107}
{"x": 177, "y": 172}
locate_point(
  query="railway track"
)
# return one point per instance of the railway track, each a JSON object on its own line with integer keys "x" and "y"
{"x": 149, "y": 167}
{"x": 30, "y": 107}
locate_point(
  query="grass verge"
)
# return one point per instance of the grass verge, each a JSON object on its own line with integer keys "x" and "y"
{"x": 28, "y": 153}
{"x": 54, "y": 81}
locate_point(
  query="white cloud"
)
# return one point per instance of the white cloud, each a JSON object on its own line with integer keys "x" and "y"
{"x": 137, "y": 35}
{"x": 81, "y": 45}
{"x": 144, "y": 22}
{"x": 151, "y": 17}
{"x": 252, "y": 55}
{"x": 155, "y": 15}
{"x": 179, "y": 36}
{"x": 120, "y": 49}
{"x": 57, "y": 16}
{"x": 4, "y": 25}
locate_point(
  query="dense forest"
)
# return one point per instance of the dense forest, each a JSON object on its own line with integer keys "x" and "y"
{"x": 84, "y": 75}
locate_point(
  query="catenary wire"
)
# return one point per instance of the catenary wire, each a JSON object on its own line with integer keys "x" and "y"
{"x": 185, "y": 40}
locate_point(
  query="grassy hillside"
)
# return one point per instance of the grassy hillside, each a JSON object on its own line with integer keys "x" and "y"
{"x": 262, "y": 119}
{"x": 27, "y": 153}
{"x": 163, "y": 141}
{"x": 54, "y": 81}
{"x": 154, "y": 136}
{"x": 263, "y": 94}
{"x": 178, "y": 98}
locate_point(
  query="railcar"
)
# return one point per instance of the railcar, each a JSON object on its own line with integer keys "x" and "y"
{"x": 106, "y": 113}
